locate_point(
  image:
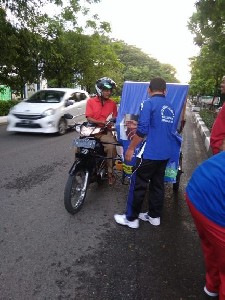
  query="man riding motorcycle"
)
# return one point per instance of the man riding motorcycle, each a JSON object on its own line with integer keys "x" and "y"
{"x": 98, "y": 109}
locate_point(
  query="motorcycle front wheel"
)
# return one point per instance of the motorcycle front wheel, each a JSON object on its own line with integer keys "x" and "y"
{"x": 75, "y": 190}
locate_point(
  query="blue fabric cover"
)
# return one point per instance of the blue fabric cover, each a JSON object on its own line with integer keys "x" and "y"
{"x": 133, "y": 94}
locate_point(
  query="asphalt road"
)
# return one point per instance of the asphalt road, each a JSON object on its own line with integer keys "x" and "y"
{"x": 46, "y": 253}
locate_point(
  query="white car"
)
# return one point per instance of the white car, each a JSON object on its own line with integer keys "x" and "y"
{"x": 44, "y": 111}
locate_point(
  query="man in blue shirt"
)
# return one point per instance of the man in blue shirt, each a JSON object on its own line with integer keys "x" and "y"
{"x": 155, "y": 127}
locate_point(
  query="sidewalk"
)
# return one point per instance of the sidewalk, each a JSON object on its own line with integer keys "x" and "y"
{"x": 3, "y": 120}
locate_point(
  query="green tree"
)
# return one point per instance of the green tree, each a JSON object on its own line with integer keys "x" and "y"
{"x": 27, "y": 10}
{"x": 60, "y": 50}
{"x": 206, "y": 73}
{"x": 72, "y": 58}
{"x": 139, "y": 66}
{"x": 207, "y": 26}
{"x": 7, "y": 37}
{"x": 99, "y": 60}
{"x": 40, "y": 46}
{"x": 19, "y": 61}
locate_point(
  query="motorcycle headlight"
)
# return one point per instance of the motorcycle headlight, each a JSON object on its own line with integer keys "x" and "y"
{"x": 48, "y": 112}
{"x": 77, "y": 128}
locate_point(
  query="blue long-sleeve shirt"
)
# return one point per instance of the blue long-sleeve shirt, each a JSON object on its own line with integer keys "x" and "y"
{"x": 156, "y": 125}
{"x": 206, "y": 188}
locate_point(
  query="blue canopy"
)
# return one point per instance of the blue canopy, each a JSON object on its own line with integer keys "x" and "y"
{"x": 133, "y": 94}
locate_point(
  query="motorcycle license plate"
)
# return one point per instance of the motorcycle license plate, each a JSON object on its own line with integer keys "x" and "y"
{"x": 84, "y": 143}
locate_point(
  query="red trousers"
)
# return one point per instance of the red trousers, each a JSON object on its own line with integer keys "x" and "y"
{"x": 212, "y": 238}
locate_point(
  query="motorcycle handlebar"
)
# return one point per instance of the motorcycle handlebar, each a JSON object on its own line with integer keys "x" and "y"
{"x": 69, "y": 117}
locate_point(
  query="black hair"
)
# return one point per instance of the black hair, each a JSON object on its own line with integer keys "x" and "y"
{"x": 157, "y": 84}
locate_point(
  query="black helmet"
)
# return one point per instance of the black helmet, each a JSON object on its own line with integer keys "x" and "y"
{"x": 104, "y": 83}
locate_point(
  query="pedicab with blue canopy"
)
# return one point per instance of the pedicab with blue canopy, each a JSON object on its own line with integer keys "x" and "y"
{"x": 133, "y": 94}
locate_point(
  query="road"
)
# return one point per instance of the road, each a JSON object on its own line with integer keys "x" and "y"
{"x": 46, "y": 253}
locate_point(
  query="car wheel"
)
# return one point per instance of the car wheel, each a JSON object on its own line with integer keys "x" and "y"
{"x": 62, "y": 127}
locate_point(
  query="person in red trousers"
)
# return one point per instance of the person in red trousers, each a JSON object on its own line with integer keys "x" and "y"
{"x": 217, "y": 137}
{"x": 205, "y": 196}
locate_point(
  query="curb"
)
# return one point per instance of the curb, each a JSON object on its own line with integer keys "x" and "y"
{"x": 205, "y": 133}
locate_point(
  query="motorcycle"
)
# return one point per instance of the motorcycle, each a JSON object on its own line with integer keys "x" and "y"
{"x": 90, "y": 164}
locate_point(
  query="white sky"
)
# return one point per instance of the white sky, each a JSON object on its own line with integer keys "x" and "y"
{"x": 158, "y": 27}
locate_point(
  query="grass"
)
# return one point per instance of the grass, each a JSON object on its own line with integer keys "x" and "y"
{"x": 208, "y": 117}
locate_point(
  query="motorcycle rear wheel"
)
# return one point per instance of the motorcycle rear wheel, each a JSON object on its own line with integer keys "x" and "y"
{"x": 176, "y": 185}
{"x": 76, "y": 190}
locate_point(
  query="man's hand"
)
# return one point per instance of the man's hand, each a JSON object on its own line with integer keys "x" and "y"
{"x": 133, "y": 144}
{"x": 129, "y": 154}
{"x": 100, "y": 123}
{"x": 131, "y": 124}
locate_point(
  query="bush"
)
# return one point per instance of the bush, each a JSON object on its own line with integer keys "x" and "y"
{"x": 6, "y": 105}
{"x": 208, "y": 117}
{"x": 116, "y": 99}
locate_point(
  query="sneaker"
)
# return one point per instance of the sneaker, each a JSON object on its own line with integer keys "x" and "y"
{"x": 146, "y": 217}
{"x": 122, "y": 220}
{"x": 211, "y": 294}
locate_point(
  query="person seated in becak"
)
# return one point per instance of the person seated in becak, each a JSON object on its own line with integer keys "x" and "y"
{"x": 98, "y": 109}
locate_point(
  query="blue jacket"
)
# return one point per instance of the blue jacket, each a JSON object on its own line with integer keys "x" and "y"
{"x": 156, "y": 125}
{"x": 206, "y": 188}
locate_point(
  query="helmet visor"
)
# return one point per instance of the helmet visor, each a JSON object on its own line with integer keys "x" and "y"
{"x": 106, "y": 86}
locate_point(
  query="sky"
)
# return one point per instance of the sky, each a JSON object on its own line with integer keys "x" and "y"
{"x": 157, "y": 27}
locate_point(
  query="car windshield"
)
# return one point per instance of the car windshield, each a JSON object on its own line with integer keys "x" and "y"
{"x": 46, "y": 97}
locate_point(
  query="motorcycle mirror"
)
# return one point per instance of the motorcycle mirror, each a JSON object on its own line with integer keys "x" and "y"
{"x": 68, "y": 116}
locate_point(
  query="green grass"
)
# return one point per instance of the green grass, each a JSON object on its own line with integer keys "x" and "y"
{"x": 208, "y": 117}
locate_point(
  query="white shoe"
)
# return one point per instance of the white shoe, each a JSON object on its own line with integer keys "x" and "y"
{"x": 211, "y": 294}
{"x": 145, "y": 217}
{"x": 122, "y": 220}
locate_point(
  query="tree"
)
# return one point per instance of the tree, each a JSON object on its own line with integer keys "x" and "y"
{"x": 36, "y": 45}
{"x": 207, "y": 25}
{"x": 206, "y": 73}
{"x": 7, "y": 37}
{"x": 60, "y": 50}
{"x": 72, "y": 58}
{"x": 26, "y": 10}
{"x": 19, "y": 56}
{"x": 100, "y": 60}
{"x": 139, "y": 66}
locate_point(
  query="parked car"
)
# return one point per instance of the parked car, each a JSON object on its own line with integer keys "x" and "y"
{"x": 44, "y": 111}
